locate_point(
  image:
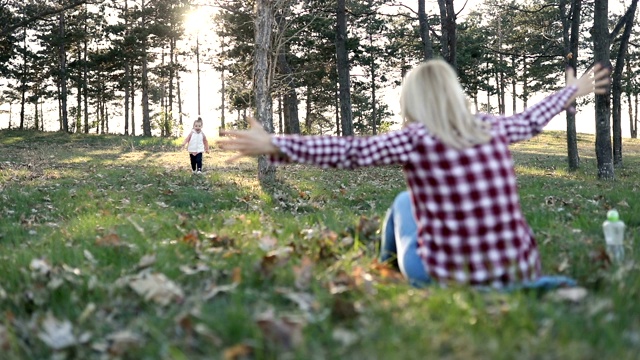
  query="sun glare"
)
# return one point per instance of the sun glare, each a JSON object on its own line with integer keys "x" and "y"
{"x": 198, "y": 20}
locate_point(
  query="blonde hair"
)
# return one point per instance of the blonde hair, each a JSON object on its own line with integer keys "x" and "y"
{"x": 432, "y": 95}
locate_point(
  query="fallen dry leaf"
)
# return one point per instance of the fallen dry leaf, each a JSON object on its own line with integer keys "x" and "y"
{"x": 267, "y": 243}
{"x": 572, "y": 294}
{"x": 194, "y": 269}
{"x": 146, "y": 261}
{"x": 40, "y": 266}
{"x": 120, "y": 342}
{"x": 238, "y": 352}
{"x": 305, "y": 301}
{"x": 218, "y": 290}
{"x": 344, "y": 336}
{"x": 192, "y": 238}
{"x": 109, "y": 240}
{"x": 284, "y": 332}
{"x": 4, "y": 338}
{"x": 57, "y": 334}
{"x": 303, "y": 273}
{"x": 89, "y": 256}
{"x": 156, "y": 287}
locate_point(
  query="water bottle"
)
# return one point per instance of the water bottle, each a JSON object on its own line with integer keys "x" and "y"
{"x": 613, "y": 229}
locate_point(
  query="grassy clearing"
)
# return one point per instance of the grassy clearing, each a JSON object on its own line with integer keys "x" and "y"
{"x": 110, "y": 248}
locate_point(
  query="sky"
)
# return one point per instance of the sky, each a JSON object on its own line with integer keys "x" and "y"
{"x": 211, "y": 84}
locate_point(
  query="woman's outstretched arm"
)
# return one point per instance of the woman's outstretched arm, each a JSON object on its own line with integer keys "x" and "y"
{"x": 532, "y": 120}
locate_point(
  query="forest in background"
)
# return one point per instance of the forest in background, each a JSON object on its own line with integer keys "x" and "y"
{"x": 292, "y": 63}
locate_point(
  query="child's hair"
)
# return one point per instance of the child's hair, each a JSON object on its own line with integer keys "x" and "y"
{"x": 432, "y": 95}
{"x": 198, "y": 120}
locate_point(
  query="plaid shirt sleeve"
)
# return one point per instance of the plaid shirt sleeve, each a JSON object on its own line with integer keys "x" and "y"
{"x": 530, "y": 122}
{"x": 345, "y": 152}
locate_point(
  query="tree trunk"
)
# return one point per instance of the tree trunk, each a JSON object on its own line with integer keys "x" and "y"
{"x": 344, "y": 81}
{"x": 603, "y": 104}
{"x": 290, "y": 96}
{"x": 616, "y": 87}
{"x": 337, "y": 110}
{"x": 85, "y": 74}
{"x": 223, "y": 93}
{"x": 127, "y": 71}
{"x": 374, "y": 113}
{"x": 629, "y": 80}
{"x": 280, "y": 120}
{"x": 79, "y": 93}
{"x": 23, "y": 79}
{"x": 570, "y": 36}
{"x": 308, "y": 117}
{"x": 427, "y": 47}
{"x": 146, "y": 121}
{"x": 172, "y": 62}
{"x": 448, "y": 24}
{"x": 63, "y": 74}
{"x": 262, "y": 79}
{"x": 514, "y": 83}
{"x": 133, "y": 101}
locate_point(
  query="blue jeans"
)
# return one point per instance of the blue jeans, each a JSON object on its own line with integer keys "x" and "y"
{"x": 400, "y": 241}
{"x": 400, "y": 245}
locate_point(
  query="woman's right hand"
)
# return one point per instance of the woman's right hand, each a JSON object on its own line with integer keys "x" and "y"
{"x": 252, "y": 142}
{"x": 596, "y": 81}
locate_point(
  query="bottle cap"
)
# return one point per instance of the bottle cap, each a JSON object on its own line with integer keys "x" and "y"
{"x": 612, "y": 215}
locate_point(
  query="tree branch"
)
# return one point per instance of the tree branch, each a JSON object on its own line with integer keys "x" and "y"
{"x": 9, "y": 28}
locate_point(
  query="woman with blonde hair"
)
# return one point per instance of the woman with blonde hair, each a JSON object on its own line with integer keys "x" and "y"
{"x": 460, "y": 220}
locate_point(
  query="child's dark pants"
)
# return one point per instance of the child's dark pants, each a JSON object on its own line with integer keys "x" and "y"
{"x": 196, "y": 161}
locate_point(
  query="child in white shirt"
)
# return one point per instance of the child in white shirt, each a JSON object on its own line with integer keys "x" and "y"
{"x": 196, "y": 143}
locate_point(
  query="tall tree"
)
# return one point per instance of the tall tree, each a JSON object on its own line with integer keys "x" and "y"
{"x": 570, "y": 17}
{"x": 423, "y": 22}
{"x": 262, "y": 77}
{"x": 601, "y": 53}
{"x": 448, "y": 37}
{"x": 616, "y": 87}
{"x": 344, "y": 81}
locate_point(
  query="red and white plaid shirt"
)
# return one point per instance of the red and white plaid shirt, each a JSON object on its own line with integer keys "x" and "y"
{"x": 470, "y": 226}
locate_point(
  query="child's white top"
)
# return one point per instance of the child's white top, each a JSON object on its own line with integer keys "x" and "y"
{"x": 196, "y": 142}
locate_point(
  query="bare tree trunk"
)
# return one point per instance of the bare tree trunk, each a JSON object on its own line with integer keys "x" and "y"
{"x": 262, "y": 79}
{"x": 85, "y": 74}
{"x": 514, "y": 84}
{"x": 63, "y": 73}
{"x": 448, "y": 24}
{"x": 616, "y": 87}
{"x": 630, "y": 104}
{"x": 280, "y": 120}
{"x": 307, "y": 120}
{"x": 133, "y": 101}
{"x": 337, "y": 112}
{"x": 427, "y": 47}
{"x": 223, "y": 93}
{"x": 525, "y": 82}
{"x": 172, "y": 62}
{"x": 290, "y": 95}
{"x": 23, "y": 79}
{"x": 374, "y": 113}
{"x": 343, "y": 70}
{"x": 127, "y": 71}
{"x": 146, "y": 121}
{"x": 603, "y": 104}
{"x": 79, "y": 94}
{"x": 570, "y": 36}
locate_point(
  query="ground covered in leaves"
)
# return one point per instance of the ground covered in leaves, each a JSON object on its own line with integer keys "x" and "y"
{"x": 111, "y": 249}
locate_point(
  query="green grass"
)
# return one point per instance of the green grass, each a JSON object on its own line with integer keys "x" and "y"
{"x": 91, "y": 207}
